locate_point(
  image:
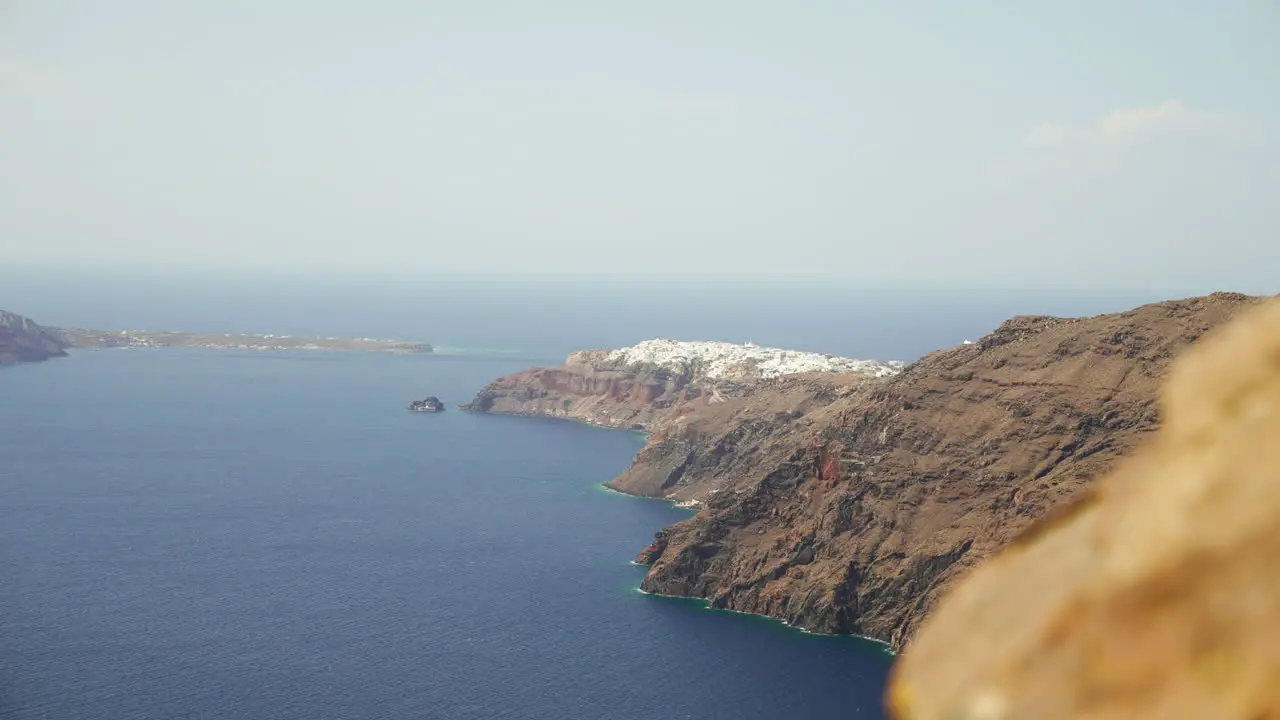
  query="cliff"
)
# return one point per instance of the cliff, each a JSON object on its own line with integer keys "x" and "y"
{"x": 849, "y": 507}
{"x": 655, "y": 382}
{"x": 1157, "y": 595}
{"x": 845, "y": 502}
{"x": 22, "y": 340}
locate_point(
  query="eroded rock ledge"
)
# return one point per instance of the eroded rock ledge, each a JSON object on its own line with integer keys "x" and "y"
{"x": 845, "y": 502}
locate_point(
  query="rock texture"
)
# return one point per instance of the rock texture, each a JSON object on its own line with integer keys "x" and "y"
{"x": 22, "y": 340}
{"x": 658, "y": 381}
{"x": 845, "y": 503}
{"x": 1157, "y": 595}
{"x": 849, "y": 505}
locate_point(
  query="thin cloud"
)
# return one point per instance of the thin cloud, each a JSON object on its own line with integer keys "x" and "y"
{"x": 1056, "y": 147}
{"x": 1170, "y": 115}
{"x": 1171, "y": 118}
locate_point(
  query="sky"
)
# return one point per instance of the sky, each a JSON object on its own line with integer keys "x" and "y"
{"x": 985, "y": 144}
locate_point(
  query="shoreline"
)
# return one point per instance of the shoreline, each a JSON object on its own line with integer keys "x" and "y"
{"x": 885, "y": 646}
{"x": 561, "y": 418}
{"x": 637, "y": 496}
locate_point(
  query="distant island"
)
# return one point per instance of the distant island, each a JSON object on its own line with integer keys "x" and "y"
{"x": 22, "y": 340}
{"x": 100, "y": 339}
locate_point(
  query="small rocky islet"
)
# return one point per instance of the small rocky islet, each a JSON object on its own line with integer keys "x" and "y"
{"x": 429, "y": 404}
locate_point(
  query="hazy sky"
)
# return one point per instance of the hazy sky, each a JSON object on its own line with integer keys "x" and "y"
{"x": 972, "y": 143}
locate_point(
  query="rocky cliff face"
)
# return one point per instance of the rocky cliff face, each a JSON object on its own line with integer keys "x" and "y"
{"x": 601, "y": 396}
{"x": 647, "y": 386}
{"x": 846, "y": 502}
{"x": 1155, "y": 596}
{"x": 21, "y": 340}
{"x": 849, "y": 506}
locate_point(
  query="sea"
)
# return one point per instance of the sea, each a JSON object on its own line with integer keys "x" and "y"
{"x": 272, "y": 535}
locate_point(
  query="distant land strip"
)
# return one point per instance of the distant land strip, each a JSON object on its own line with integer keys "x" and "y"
{"x": 101, "y": 339}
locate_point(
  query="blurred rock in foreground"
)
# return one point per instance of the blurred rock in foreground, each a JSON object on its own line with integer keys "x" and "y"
{"x": 1157, "y": 595}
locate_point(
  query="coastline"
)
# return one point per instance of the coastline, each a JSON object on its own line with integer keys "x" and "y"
{"x": 692, "y": 506}
{"x": 851, "y": 506}
{"x": 466, "y": 407}
{"x": 705, "y": 604}
{"x": 87, "y": 339}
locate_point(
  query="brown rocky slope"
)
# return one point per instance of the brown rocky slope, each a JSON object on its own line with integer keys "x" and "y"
{"x": 846, "y": 504}
{"x": 1157, "y": 595}
{"x": 22, "y": 340}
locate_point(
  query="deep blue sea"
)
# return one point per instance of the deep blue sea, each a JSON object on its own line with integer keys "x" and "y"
{"x": 221, "y": 534}
{"x": 204, "y": 534}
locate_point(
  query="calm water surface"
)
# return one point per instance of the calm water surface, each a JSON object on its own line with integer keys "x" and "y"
{"x": 203, "y": 534}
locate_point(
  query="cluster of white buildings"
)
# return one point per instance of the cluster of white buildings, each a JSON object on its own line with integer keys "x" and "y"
{"x": 730, "y": 360}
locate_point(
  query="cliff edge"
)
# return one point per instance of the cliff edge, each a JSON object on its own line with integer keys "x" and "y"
{"x": 850, "y": 507}
{"x": 22, "y": 340}
{"x": 847, "y": 502}
{"x": 1157, "y": 594}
